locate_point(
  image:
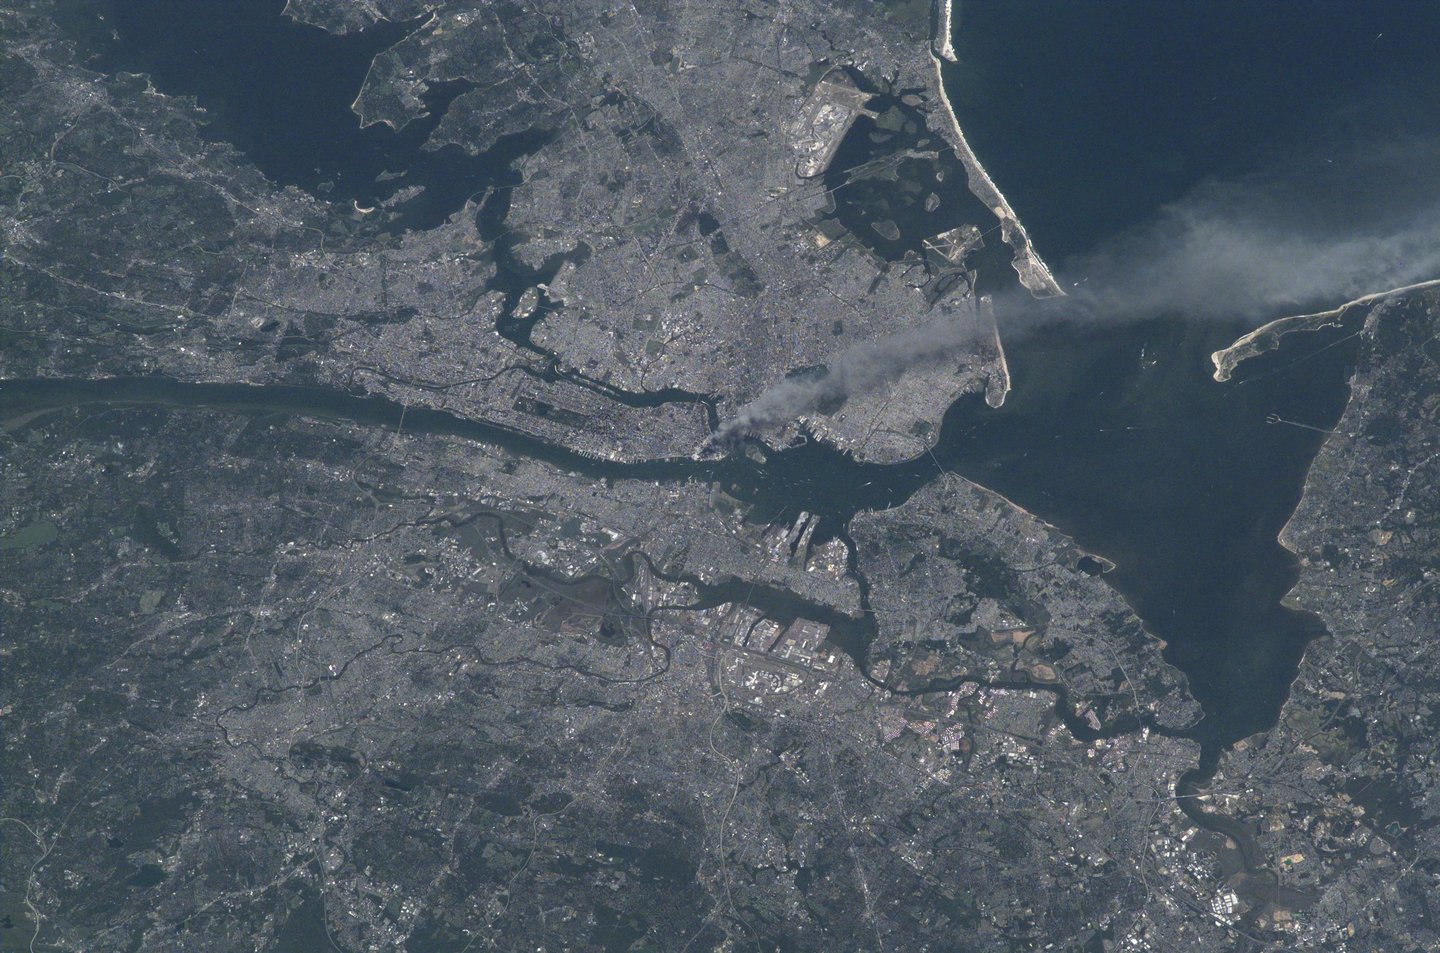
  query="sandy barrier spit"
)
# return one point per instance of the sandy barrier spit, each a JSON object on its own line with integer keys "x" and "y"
{"x": 1034, "y": 273}
{"x": 941, "y": 45}
{"x": 1267, "y": 336}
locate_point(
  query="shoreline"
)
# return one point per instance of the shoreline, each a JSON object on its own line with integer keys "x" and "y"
{"x": 941, "y": 43}
{"x": 1034, "y": 274}
{"x": 1267, "y": 337}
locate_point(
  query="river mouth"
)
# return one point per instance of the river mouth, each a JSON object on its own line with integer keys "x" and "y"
{"x": 1120, "y": 438}
{"x": 1097, "y": 121}
{"x": 1182, "y": 483}
{"x": 1115, "y": 434}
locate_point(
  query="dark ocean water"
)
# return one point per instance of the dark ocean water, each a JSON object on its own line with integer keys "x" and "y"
{"x": 1121, "y": 439}
{"x": 1090, "y": 117}
{"x": 1091, "y": 114}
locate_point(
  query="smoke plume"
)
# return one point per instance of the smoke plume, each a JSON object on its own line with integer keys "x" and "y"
{"x": 1309, "y": 235}
{"x": 1231, "y": 252}
{"x": 857, "y": 370}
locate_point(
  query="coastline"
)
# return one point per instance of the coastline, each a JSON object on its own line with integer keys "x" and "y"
{"x": 941, "y": 44}
{"x": 1034, "y": 274}
{"x": 1267, "y": 336}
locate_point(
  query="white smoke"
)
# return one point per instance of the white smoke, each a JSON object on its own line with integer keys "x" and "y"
{"x": 856, "y": 370}
{"x": 1220, "y": 256}
{"x": 1304, "y": 237}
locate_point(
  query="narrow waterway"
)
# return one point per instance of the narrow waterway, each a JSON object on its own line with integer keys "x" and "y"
{"x": 1181, "y": 482}
{"x": 1096, "y": 119}
{"x": 1091, "y": 117}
